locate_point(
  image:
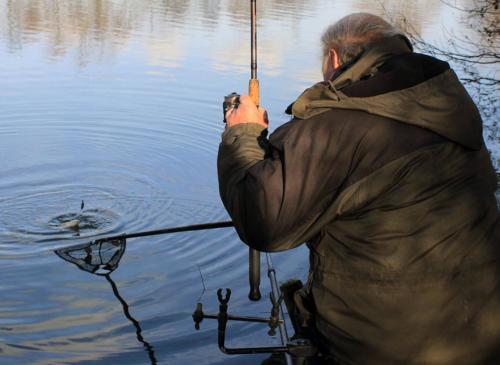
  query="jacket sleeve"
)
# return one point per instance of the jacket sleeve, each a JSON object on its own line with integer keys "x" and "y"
{"x": 274, "y": 190}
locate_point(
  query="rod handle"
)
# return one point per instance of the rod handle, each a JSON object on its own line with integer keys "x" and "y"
{"x": 254, "y": 274}
{"x": 253, "y": 91}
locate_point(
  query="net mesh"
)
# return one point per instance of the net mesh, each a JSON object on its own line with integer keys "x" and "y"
{"x": 98, "y": 257}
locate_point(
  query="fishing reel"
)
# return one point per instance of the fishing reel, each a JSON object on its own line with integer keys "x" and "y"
{"x": 230, "y": 101}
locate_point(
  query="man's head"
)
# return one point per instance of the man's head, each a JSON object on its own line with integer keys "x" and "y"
{"x": 347, "y": 38}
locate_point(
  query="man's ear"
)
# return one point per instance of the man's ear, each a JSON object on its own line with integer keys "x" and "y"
{"x": 334, "y": 59}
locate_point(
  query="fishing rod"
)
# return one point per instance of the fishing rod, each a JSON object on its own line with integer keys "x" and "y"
{"x": 253, "y": 92}
{"x": 232, "y": 101}
{"x": 253, "y": 84}
{"x": 189, "y": 228}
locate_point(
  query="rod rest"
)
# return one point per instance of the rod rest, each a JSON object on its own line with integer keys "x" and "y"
{"x": 298, "y": 348}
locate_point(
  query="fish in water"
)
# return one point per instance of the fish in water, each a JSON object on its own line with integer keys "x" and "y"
{"x": 72, "y": 224}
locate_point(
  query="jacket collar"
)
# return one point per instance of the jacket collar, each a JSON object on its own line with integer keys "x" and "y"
{"x": 363, "y": 66}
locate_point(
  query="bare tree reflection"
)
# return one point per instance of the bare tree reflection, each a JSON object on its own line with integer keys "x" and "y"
{"x": 109, "y": 25}
{"x": 473, "y": 52}
{"x": 480, "y": 48}
{"x": 102, "y": 29}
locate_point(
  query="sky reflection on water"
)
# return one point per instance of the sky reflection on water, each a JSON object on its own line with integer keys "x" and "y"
{"x": 118, "y": 103}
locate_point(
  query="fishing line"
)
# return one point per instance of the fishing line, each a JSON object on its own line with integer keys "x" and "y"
{"x": 202, "y": 282}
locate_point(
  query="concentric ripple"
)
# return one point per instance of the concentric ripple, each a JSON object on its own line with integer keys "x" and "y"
{"x": 118, "y": 104}
{"x": 36, "y": 223}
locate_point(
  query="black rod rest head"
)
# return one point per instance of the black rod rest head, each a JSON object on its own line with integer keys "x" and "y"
{"x": 225, "y": 299}
{"x": 198, "y": 315}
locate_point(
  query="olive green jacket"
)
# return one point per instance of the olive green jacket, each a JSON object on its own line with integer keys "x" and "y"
{"x": 384, "y": 173}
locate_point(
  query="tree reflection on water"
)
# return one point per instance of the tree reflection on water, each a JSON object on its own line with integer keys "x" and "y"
{"x": 96, "y": 30}
{"x": 474, "y": 52}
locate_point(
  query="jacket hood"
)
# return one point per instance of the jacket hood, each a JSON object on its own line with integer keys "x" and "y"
{"x": 439, "y": 103}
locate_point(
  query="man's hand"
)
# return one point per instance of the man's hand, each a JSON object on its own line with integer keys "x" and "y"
{"x": 246, "y": 112}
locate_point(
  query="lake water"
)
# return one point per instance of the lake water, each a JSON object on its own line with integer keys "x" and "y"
{"x": 118, "y": 103}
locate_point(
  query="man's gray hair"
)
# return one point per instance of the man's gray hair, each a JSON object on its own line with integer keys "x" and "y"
{"x": 351, "y": 34}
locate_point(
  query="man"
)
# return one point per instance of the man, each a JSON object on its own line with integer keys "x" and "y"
{"x": 384, "y": 173}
